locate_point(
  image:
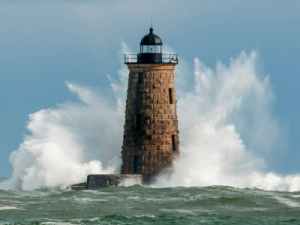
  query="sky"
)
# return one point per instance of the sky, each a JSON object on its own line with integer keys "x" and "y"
{"x": 44, "y": 44}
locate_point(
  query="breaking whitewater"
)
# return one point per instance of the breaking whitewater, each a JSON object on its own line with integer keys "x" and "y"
{"x": 226, "y": 131}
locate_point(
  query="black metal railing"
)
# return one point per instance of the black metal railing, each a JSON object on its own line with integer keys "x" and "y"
{"x": 130, "y": 58}
{"x": 170, "y": 58}
{"x": 166, "y": 58}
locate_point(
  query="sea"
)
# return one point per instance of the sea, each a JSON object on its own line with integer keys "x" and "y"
{"x": 149, "y": 205}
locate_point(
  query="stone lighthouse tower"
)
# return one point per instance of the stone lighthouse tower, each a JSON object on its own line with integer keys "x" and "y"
{"x": 150, "y": 141}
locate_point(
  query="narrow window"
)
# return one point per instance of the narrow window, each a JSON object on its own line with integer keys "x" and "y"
{"x": 138, "y": 121}
{"x": 141, "y": 78}
{"x": 170, "y": 96}
{"x": 136, "y": 164}
{"x": 173, "y": 142}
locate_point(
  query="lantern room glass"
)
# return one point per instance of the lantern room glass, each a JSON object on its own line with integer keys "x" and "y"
{"x": 151, "y": 48}
{"x": 158, "y": 48}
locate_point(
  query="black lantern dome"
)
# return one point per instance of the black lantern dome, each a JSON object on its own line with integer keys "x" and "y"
{"x": 151, "y": 39}
{"x": 151, "y": 48}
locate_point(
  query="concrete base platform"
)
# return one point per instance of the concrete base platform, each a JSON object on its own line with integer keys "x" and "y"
{"x": 97, "y": 181}
{"x": 77, "y": 187}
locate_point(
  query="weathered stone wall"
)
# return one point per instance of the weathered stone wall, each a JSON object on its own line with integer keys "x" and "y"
{"x": 150, "y": 99}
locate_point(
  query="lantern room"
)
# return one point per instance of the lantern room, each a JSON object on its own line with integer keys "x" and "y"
{"x": 151, "y": 52}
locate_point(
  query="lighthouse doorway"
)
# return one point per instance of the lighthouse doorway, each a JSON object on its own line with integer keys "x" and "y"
{"x": 136, "y": 164}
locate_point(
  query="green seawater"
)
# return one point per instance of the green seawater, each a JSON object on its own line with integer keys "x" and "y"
{"x": 145, "y": 205}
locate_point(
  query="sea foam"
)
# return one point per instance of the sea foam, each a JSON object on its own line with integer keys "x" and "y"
{"x": 225, "y": 121}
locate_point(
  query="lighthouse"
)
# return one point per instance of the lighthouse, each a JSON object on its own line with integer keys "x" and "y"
{"x": 150, "y": 140}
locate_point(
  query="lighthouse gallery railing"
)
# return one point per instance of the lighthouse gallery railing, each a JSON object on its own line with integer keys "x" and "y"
{"x": 166, "y": 58}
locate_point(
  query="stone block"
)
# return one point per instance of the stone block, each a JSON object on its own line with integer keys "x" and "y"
{"x": 158, "y": 127}
{"x": 147, "y": 96}
{"x": 160, "y": 132}
{"x": 148, "y": 106}
{"x": 168, "y": 142}
{"x": 148, "y": 132}
{"x": 164, "y": 106}
{"x": 151, "y": 163}
{"x": 164, "y": 95}
{"x": 170, "y": 85}
{"x": 156, "y": 117}
{"x": 160, "y": 122}
{"x": 152, "y": 101}
{"x": 157, "y": 95}
{"x": 145, "y": 153}
{"x": 157, "y": 106}
{"x": 145, "y": 142}
{"x": 167, "y": 122}
{"x": 153, "y": 137}
{"x": 154, "y": 111}
{"x": 160, "y": 101}
{"x": 148, "y": 147}
{"x": 160, "y": 80}
{"x": 165, "y": 117}
{"x": 147, "y": 85}
{"x": 146, "y": 111}
{"x": 145, "y": 91}
{"x": 150, "y": 157}
{"x": 148, "y": 116}
{"x": 163, "y": 85}
{"x": 153, "y": 142}
{"x": 153, "y": 152}
{"x": 159, "y": 147}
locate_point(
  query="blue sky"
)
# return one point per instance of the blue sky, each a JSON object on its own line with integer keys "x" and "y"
{"x": 45, "y": 43}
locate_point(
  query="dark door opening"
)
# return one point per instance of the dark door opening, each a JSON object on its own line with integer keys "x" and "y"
{"x": 141, "y": 78}
{"x": 138, "y": 121}
{"x": 136, "y": 164}
{"x": 170, "y": 96}
{"x": 173, "y": 143}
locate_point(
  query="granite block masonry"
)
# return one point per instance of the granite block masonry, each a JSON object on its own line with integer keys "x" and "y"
{"x": 151, "y": 126}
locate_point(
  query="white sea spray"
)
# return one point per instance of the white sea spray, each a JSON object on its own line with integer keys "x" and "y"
{"x": 225, "y": 121}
